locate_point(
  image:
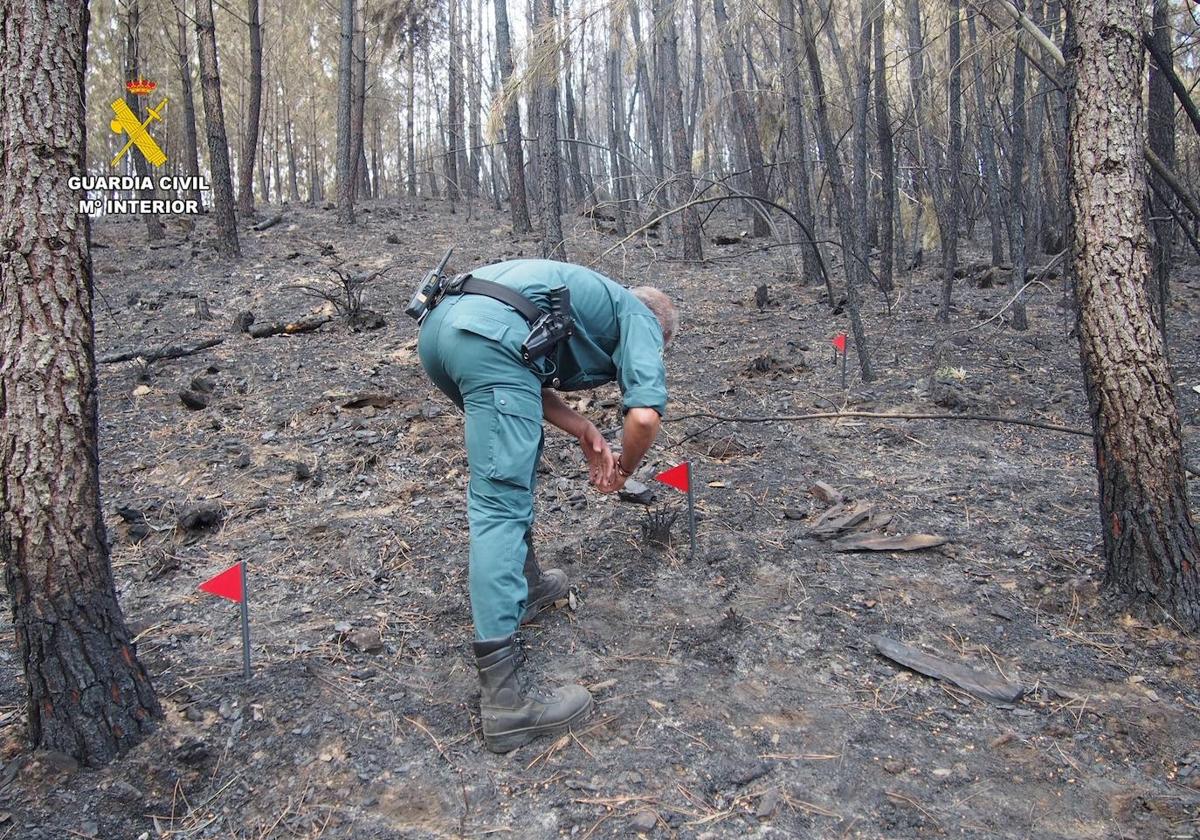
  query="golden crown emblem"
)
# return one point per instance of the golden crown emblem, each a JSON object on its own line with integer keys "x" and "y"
{"x": 141, "y": 87}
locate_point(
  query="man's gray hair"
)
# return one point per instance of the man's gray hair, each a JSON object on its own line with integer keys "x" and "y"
{"x": 662, "y": 307}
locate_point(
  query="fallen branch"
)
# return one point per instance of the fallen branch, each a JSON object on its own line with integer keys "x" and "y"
{"x": 266, "y": 224}
{"x": 171, "y": 351}
{"x": 837, "y": 415}
{"x": 306, "y": 324}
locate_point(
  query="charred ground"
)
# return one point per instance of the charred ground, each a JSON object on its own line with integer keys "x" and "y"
{"x": 738, "y": 693}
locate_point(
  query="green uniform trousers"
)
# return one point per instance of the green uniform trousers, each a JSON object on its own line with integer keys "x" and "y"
{"x": 470, "y": 347}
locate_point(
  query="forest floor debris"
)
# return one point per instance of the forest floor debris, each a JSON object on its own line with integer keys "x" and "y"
{"x": 738, "y": 694}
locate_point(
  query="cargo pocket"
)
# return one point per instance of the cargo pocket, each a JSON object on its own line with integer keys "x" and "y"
{"x": 516, "y": 435}
{"x": 481, "y": 325}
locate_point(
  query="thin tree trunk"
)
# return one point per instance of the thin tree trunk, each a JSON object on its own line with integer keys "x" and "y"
{"x": 691, "y": 244}
{"x": 191, "y": 144}
{"x": 1162, "y": 142}
{"x": 919, "y": 167}
{"x": 887, "y": 162}
{"x": 953, "y": 192}
{"x": 514, "y": 158}
{"x": 410, "y": 139}
{"x": 250, "y": 139}
{"x": 546, "y": 57}
{"x": 987, "y": 148}
{"x": 651, "y": 108}
{"x": 1017, "y": 238}
{"x": 615, "y": 115}
{"x": 744, "y": 107}
{"x": 345, "y": 140}
{"x": 852, "y": 255}
{"x": 861, "y": 106}
{"x": 574, "y": 167}
{"x": 455, "y": 152}
{"x": 133, "y": 45}
{"x": 1152, "y": 556}
{"x": 360, "y": 178}
{"x": 214, "y": 119}
{"x": 799, "y": 174}
{"x": 474, "y": 108}
{"x": 86, "y": 693}
{"x": 289, "y": 140}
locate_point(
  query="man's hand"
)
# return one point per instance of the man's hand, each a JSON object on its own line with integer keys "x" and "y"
{"x": 640, "y": 428}
{"x": 601, "y": 462}
{"x": 615, "y": 481}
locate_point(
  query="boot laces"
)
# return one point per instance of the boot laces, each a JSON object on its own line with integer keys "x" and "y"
{"x": 527, "y": 677}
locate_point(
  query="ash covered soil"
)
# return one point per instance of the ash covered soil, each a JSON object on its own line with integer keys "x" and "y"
{"x": 739, "y": 693}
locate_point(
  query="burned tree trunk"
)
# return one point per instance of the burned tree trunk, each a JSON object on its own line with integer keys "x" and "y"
{"x": 799, "y": 175}
{"x": 191, "y": 145}
{"x": 345, "y": 143}
{"x": 887, "y": 161}
{"x": 744, "y": 107}
{"x": 410, "y": 138}
{"x": 1150, "y": 547}
{"x": 86, "y": 692}
{"x": 1017, "y": 238}
{"x": 360, "y": 178}
{"x": 653, "y": 107}
{"x": 514, "y": 158}
{"x": 133, "y": 47}
{"x": 214, "y": 119}
{"x": 253, "y": 109}
{"x": 987, "y": 148}
{"x": 546, "y": 28}
{"x": 1162, "y": 142}
{"x": 852, "y": 251}
{"x": 692, "y": 247}
{"x": 456, "y": 169}
{"x": 952, "y": 194}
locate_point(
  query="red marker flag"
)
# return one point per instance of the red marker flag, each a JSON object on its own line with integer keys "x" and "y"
{"x": 228, "y": 584}
{"x": 839, "y": 342}
{"x": 677, "y": 477}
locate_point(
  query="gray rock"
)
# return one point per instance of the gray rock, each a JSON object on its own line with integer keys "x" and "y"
{"x": 644, "y": 820}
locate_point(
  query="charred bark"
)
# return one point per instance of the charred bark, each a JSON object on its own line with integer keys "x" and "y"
{"x": 345, "y": 140}
{"x": 253, "y": 109}
{"x": 86, "y": 692}
{"x": 1150, "y": 547}
{"x": 214, "y": 119}
{"x": 514, "y": 157}
{"x": 191, "y": 144}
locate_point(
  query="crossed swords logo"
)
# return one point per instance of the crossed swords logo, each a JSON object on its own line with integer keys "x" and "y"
{"x": 127, "y": 123}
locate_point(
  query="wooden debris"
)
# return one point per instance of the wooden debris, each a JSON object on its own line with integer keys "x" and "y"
{"x": 840, "y": 519}
{"x": 306, "y": 324}
{"x": 888, "y": 542}
{"x": 983, "y": 685}
{"x": 170, "y": 351}
{"x": 636, "y": 492}
{"x": 266, "y": 224}
{"x": 368, "y": 400}
{"x": 858, "y": 526}
{"x": 826, "y": 493}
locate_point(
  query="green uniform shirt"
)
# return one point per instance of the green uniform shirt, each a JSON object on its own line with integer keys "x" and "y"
{"x": 616, "y": 337}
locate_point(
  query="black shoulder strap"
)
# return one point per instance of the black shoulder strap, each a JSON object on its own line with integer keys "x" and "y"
{"x": 518, "y": 301}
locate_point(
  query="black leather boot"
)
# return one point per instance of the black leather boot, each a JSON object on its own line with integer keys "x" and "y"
{"x": 545, "y": 587}
{"x": 515, "y": 712}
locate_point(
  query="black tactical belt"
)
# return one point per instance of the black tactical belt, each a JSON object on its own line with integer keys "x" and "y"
{"x": 465, "y": 284}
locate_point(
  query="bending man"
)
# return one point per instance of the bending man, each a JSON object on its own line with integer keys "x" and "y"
{"x": 470, "y": 345}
